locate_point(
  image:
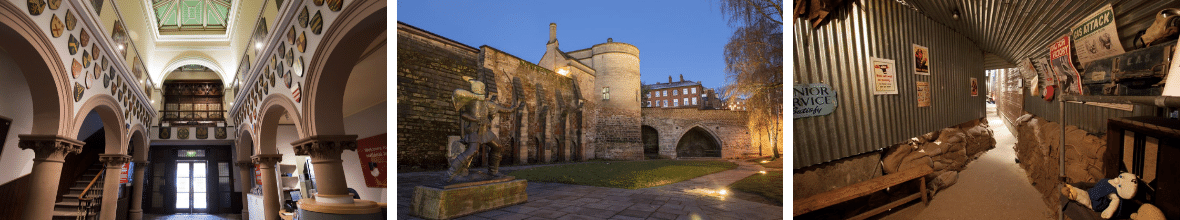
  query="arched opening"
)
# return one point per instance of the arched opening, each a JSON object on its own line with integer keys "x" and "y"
{"x": 651, "y": 142}
{"x": 193, "y": 96}
{"x": 698, "y": 142}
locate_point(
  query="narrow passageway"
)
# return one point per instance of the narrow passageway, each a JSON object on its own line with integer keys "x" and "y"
{"x": 991, "y": 187}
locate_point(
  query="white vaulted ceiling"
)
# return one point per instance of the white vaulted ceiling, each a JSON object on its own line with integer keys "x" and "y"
{"x": 1018, "y": 29}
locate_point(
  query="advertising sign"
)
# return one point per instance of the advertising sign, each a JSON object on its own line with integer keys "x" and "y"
{"x": 1095, "y": 36}
{"x": 124, "y": 176}
{"x": 373, "y": 159}
{"x": 974, "y": 87}
{"x": 814, "y": 99}
{"x": 884, "y": 76}
{"x": 257, "y": 174}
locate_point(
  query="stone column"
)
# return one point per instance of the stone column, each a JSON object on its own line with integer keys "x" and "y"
{"x": 331, "y": 189}
{"x": 51, "y": 151}
{"x": 245, "y": 171}
{"x": 137, "y": 191}
{"x": 110, "y": 189}
{"x": 270, "y": 188}
{"x": 329, "y": 172}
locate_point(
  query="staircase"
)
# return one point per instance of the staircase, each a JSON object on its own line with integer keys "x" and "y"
{"x": 69, "y": 207}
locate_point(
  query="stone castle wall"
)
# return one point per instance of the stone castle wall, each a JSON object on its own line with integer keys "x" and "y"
{"x": 547, "y": 134}
{"x": 618, "y": 121}
{"x": 429, "y": 69}
{"x": 727, "y": 126}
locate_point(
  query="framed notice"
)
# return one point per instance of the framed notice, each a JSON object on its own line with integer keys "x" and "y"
{"x": 974, "y": 87}
{"x": 373, "y": 160}
{"x": 921, "y": 60}
{"x": 884, "y": 76}
{"x": 923, "y": 94}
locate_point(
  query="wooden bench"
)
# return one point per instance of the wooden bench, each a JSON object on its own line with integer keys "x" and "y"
{"x": 842, "y": 194}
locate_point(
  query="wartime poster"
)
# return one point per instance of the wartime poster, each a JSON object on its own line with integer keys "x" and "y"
{"x": 1060, "y": 62}
{"x": 1030, "y": 74}
{"x": 921, "y": 60}
{"x": 373, "y": 160}
{"x": 974, "y": 87}
{"x": 884, "y": 76}
{"x": 923, "y": 94}
{"x": 1095, "y": 36}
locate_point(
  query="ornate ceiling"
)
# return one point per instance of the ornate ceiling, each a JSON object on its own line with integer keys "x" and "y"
{"x": 191, "y": 15}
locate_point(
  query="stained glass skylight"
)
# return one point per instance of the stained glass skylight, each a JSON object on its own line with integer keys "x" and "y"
{"x": 191, "y": 15}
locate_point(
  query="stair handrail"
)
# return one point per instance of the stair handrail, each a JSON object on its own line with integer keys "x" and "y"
{"x": 85, "y": 209}
{"x": 88, "y": 186}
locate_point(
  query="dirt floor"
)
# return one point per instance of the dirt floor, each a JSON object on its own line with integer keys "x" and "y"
{"x": 992, "y": 187}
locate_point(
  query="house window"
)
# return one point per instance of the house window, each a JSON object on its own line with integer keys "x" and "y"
{"x": 694, "y": 100}
{"x": 674, "y": 92}
{"x": 605, "y": 93}
{"x": 665, "y": 103}
{"x": 694, "y": 90}
{"x": 685, "y": 91}
{"x": 665, "y": 92}
{"x": 649, "y": 95}
{"x": 675, "y": 102}
{"x": 685, "y": 101}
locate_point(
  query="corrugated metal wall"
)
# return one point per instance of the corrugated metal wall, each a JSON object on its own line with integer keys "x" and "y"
{"x": 1130, "y": 18}
{"x": 838, "y": 54}
{"x": 1086, "y": 117}
{"x": 1024, "y": 28}
{"x": 1009, "y": 98}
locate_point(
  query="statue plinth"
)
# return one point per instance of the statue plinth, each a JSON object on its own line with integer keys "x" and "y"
{"x": 460, "y": 199}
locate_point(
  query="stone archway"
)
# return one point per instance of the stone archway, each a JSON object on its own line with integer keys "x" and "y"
{"x": 698, "y": 142}
{"x": 651, "y": 142}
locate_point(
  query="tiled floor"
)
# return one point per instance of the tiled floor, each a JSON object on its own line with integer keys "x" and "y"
{"x": 691, "y": 199}
{"x": 192, "y": 217}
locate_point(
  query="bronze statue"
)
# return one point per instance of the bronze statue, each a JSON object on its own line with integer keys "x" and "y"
{"x": 477, "y": 114}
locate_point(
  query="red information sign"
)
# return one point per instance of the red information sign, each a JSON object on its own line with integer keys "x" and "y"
{"x": 257, "y": 174}
{"x": 372, "y": 154}
{"x": 123, "y": 174}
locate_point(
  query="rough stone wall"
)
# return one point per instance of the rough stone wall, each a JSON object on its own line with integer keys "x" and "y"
{"x": 618, "y": 120}
{"x": 541, "y": 90}
{"x": 729, "y": 127}
{"x": 429, "y": 70}
{"x": 1038, "y": 146}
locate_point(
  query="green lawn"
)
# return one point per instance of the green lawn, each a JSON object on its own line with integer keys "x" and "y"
{"x": 770, "y": 162}
{"x": 624, "y": 174}
{"x": 769, "y": 185}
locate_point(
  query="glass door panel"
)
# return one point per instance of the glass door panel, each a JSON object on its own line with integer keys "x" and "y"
{"x": 191, "y": 189}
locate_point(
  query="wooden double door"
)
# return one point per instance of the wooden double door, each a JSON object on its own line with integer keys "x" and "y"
{"x": 190, "y": 179}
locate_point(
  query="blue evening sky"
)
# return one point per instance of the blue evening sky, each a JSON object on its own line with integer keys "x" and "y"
{"x": 674, "y": 37}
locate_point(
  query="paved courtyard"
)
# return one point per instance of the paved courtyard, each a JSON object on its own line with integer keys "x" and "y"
{"x": 692, "y": 199}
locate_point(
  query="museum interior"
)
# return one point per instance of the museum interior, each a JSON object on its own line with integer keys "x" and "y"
{"x": 948, "y": 109}
{"x": 258, "y": 109}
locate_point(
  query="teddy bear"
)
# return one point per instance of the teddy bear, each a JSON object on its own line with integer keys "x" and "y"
{"x": 1106, "y": 196}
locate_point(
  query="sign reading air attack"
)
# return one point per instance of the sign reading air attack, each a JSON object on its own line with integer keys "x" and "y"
{"x": 814, "y": 99}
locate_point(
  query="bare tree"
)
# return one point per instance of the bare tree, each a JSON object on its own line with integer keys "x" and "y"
{"x": 754, "y": 62}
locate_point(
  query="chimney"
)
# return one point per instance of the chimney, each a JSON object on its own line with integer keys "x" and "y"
{"x": 669, "y": 79}
{"x": 552, "y": 32}
{"x": 682, "y": 77}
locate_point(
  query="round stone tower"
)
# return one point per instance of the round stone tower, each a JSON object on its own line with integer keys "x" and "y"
{"x": 617, "y": 81}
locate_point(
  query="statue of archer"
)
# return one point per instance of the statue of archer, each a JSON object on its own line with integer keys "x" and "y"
{"x": 476, "y": 114}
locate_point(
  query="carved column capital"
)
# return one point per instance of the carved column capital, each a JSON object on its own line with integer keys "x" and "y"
{"x": 51, "y": 148}
{"x": 266, "y": 160}
{"x": 325, "y": 146}
{"x": 114, "y": 161}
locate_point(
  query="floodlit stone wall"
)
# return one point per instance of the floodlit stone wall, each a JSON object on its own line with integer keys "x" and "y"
{"x": 429, "y": 69}
{"x": 550, "y": 123}
{"x": 729, "y": 127}
{"x": 618, "y": 120}
{"x": 1038, "y": 149}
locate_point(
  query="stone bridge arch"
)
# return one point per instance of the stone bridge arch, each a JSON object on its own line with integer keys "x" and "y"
{"x": 727, "y": 130}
